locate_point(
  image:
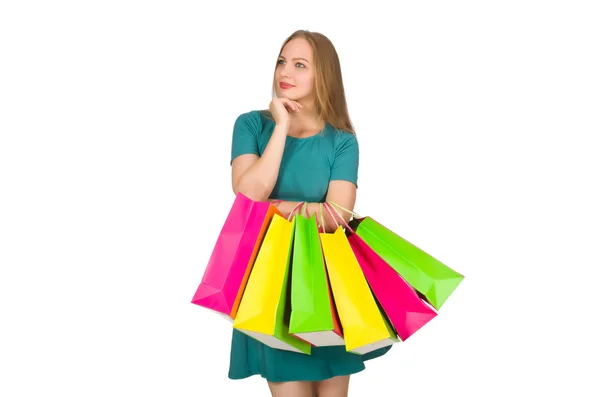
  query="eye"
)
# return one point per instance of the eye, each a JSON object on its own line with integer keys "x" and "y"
{"x": 279, "y": 62}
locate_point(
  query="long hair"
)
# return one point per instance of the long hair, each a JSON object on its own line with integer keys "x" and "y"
{"x": 328, "y": 86}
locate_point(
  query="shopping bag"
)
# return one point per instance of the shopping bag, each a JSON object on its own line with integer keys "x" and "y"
{"x": 264, "y": 309}
{"x": 434, "y": 280}
{"x": 365, "y": 326}
{"x": 404, "y": 308}
{"x": 233, "y": 256}
{"x": 313, "y": 317}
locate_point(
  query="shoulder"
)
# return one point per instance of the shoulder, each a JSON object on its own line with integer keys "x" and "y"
{"x": 345, "y": 137}
{"x": 252, "y": 116}
{"x": 342, "y": 139}
{"x": 249, "y": 122}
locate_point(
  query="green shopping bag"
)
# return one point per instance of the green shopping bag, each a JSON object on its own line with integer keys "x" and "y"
{"x": 313, "y": 316}
{"x": 431, "y": 278}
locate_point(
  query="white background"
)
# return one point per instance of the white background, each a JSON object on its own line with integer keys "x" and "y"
{"x": 476, "y": 123}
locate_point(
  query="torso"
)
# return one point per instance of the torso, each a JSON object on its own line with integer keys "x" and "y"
{"x": 305, "y": 168}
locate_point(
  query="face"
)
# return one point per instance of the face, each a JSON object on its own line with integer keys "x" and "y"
{"x": 295, "y": 66}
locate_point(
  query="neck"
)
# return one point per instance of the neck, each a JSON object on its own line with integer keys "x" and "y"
{"x": 305, "y": 122}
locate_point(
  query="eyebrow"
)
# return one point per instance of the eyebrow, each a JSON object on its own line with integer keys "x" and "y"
{"x": 281, "y": 56}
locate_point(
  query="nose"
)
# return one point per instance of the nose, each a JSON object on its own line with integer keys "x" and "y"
{"x": 285, "y": 71}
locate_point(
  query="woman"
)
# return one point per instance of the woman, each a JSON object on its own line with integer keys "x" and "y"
{"x": 303, "y": 149}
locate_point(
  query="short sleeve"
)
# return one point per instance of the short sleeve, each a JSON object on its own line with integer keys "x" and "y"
{"x": 246, "y": 130}
{"x": 345, "y": 162}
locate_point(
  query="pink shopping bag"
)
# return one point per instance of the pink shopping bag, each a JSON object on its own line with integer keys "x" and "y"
{"x": 233, "y": 256}
{"x": 404, "y": 308}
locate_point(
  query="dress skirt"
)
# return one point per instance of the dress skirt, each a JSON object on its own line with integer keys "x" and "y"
{"x": 251, "y": 357}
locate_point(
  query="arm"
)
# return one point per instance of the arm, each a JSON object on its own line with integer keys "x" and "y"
{"x": 251, "y": 175}
{"x": 340, "y": 192}
{"x": 254, "y": 176}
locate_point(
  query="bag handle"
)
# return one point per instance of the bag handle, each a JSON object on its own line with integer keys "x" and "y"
{"x": 331, "y": 216}
{"x": 354, "y": 214}
{"x": 299, "y": 205}
{"x": 322, "y": 224}
{"x": 302, "y": 205}
{"x": 304, "y": 209}
{"x": 341, "y": 218}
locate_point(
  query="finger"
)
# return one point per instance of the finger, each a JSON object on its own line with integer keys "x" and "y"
{"x": 291, "y": 104}
{"x": 296, "y": 105}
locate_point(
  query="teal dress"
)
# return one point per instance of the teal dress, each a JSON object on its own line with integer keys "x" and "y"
{"x": 307, "y": 166}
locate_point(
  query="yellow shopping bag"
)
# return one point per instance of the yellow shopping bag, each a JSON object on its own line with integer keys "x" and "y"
{"x": 364, "y": 325}
{"x": 264, "y": 308}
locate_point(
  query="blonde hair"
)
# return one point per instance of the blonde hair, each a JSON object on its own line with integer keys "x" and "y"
{"x": 331, "y": 103}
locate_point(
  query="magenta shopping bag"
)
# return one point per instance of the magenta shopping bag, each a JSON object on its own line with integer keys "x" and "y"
{"x": 406, "y": 311}
{"x": 233, "y": 256}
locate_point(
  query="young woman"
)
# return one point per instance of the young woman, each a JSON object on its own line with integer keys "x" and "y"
{"x": 303, "y": 149}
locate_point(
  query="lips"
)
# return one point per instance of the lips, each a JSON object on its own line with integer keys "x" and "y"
{"x": 285, "y": 85}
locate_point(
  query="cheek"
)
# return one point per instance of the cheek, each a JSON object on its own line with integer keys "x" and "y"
{"x": 307, "y": 80}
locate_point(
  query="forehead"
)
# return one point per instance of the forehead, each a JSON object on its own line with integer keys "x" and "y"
{"x": 297, "y": 48}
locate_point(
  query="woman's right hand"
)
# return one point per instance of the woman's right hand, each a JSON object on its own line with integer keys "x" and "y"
{"x": 280, "y": 108}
